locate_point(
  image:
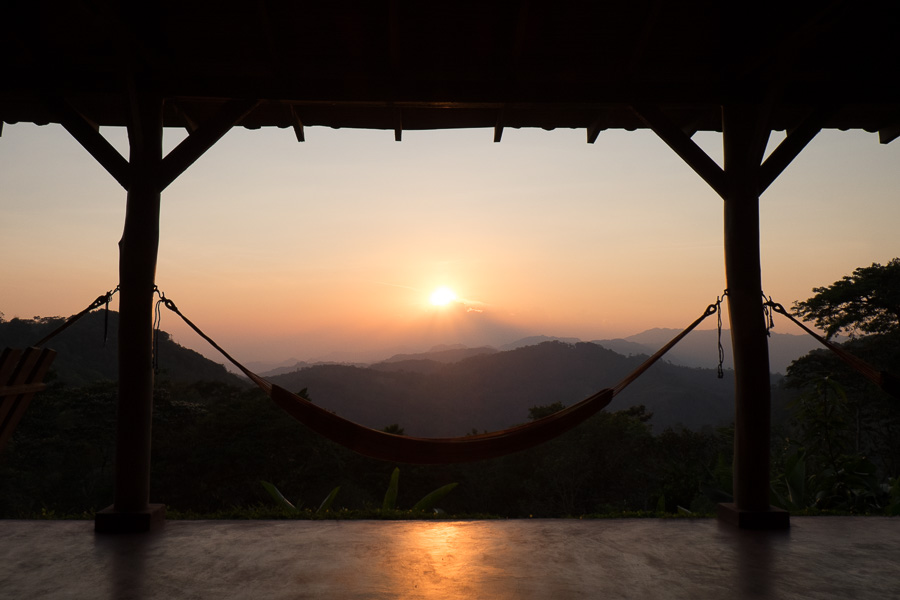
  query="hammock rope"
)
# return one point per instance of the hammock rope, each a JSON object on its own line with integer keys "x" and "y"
{"x": 886, "y": 381}
{"x": 100, "y": 301}
{"x": 430, "y": 451}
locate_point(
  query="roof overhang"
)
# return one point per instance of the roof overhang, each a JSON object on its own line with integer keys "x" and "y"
{"x": 421, "y": 65}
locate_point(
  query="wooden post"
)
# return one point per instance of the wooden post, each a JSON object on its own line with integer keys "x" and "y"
{"x": 743, "y": 153}
{"x": 138, "y": 249}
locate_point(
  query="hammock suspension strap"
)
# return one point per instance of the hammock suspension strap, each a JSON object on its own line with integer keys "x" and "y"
{"x": 886, "y": 381}
{"x": 100, "y": 301}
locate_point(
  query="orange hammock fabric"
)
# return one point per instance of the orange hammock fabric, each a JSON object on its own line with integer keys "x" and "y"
{"x": 432, "y": 451}
{"x": 437, "y": 451}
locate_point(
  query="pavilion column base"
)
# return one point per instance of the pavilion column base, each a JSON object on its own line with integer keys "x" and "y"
{"x": 109, "y": 520}
{"x": 774, "y": 518}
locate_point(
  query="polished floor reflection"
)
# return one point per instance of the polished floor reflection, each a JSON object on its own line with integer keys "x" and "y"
{"x": 823, "y": 557}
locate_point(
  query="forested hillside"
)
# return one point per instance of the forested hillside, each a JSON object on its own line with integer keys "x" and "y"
{"x": 495, "y": 391}
{"x": 83, "y": 357}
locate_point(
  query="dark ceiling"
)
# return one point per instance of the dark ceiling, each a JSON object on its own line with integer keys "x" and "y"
{"x": 426, "y": 65}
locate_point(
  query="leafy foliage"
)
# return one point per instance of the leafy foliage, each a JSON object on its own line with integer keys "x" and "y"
{"x": 85, "y": 355}
{"x": 839, "y": 451}
{"x": 868, "y": 301}
{"x": 214, "y": 442}
{"x": 390, "y": 496}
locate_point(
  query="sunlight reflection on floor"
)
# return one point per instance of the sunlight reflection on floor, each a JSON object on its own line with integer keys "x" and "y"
{"x": 443, "y": 560}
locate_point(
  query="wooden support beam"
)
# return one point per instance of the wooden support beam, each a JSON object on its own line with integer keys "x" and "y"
{"x": 742, "y": 138}
{"x": 398, "y": 125}
{"x": 745, "y": 131}
{"x": 593, "y": 131}
{"x": 791, "y": 146}
{"x": 88, "y": 135}
{"x": 298, "y": 125}
{"x": 189, "y": 124}
{"x": 191, "y": 148}
{"x": 886, "y": 135}
{"x": 138, "y": 251}
{"x": 686, "y": 148}
{"x": 748, "y": 330}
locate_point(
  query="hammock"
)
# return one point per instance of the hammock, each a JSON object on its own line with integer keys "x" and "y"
{"x": 432, "y": 451}
{"x": 413, "y": 450}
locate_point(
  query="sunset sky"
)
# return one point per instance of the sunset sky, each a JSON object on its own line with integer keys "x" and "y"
{"x": 332, "y": 248}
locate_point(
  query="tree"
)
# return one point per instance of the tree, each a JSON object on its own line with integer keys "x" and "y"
{"x": 843, "y": 430}
{"x": 539, "y": 412}
{"x": 868, "y": 301}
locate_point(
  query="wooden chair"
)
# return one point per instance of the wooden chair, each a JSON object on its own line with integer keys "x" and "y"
{"x": 21, "y": 377}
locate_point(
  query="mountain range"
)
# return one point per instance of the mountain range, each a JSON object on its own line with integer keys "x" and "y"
{"x": 698, "y": 349}
{"x": 454, "y": 390}
{"x": 494, "y": 389}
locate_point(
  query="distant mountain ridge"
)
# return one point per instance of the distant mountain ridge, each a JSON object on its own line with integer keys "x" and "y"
{"x": 442, "y": 355}
{"x": 700, "y": 347}
{"x": 495, "y": 390}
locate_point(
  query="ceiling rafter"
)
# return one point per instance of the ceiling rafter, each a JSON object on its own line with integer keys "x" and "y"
{"x": 672, "y": 134}
{"x": 87, "y": 133}
{"x": 642, "y": 41}
{"x": 209, "y": 132}
{"x": 783, "y": 53}
{"x": 888, "y": 134}
{"x": 791, "y": 146}
{"x": 297, "y": 124}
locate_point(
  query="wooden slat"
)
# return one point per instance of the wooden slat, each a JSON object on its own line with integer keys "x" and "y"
{"x": 25, "y": 388}
{"x": 22, "y": 369}
{"x": 8, "y": 361}
{"x": 25, "y": 378}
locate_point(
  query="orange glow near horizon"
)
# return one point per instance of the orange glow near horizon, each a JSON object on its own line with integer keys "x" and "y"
{"x": 331, "y": 249}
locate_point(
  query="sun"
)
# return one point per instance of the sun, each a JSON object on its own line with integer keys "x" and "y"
{"x": 442, "y": 296}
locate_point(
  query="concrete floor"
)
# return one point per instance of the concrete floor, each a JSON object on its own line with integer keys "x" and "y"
{"x": 821, "y": 557}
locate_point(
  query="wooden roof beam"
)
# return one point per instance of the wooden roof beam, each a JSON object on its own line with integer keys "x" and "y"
{"x": 782, "y": 53}
{"x": 398, "y": 125}
{"x": 791, "y": 146}
{"x": 297, "y": 124}
{"x": 88, "y": 135}
{"x": 191, "y": 148}
{"x": 643, "y": 39}
{"x": 687, "y": 149}
{"x": 886, "y": 135}
{"x": 593, "y": 131}
{"x": 189, "y": 124}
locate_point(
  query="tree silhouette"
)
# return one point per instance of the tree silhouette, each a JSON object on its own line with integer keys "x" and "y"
{"x": 867, "y": 301}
